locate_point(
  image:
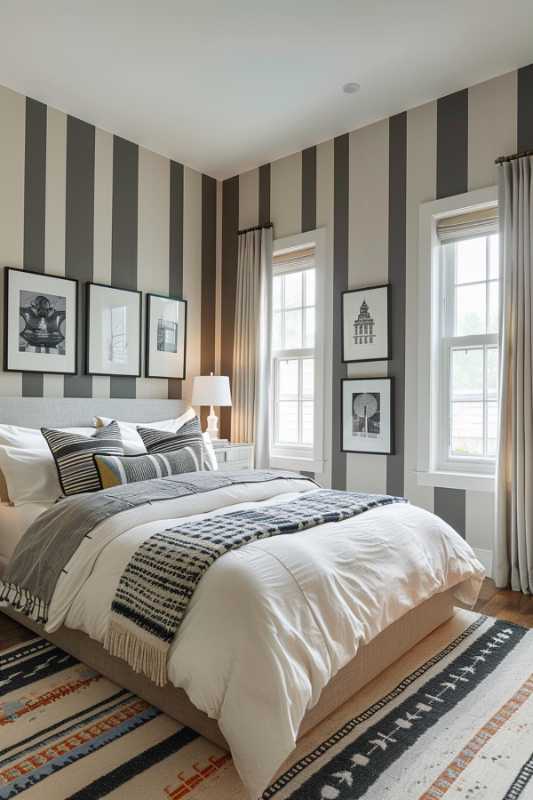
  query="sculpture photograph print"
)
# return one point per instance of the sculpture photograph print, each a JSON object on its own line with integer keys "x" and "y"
{"x": 366, "y": 324}
{"x": 366, "y": 415}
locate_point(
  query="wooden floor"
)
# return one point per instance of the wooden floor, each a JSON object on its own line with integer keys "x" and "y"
{"x": 512, "y": 606}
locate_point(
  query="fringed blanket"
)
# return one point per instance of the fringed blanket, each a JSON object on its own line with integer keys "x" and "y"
{"x": 157, "y": 585}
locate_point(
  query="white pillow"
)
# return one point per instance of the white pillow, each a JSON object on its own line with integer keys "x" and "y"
{"x": 132, "y": 442}
{"x": 31, "y": 438}
{"x": 30, "y": 475}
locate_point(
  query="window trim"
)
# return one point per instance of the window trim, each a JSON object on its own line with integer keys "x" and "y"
{"x": 295, "y": 456}
{"x": 460, "y": 473}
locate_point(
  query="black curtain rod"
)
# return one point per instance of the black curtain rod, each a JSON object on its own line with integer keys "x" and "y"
{"x": 513, "y": 157}
{"x": 255, "y": 228}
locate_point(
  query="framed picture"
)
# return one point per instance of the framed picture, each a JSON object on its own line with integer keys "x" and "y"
{"x": 113, "y": 331}
{"x": 366, "y": 415}
{"x": 366, "y": 324}
{"x": 40, "y": 322}
{"x": 166, "y": 336}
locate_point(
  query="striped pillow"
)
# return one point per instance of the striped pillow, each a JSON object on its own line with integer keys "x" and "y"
{"x": 189, "y": 435}
{"x": 73, "y": 455}
{"x": 119, "y": 470}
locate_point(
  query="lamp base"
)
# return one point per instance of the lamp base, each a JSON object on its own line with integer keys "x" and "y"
{"x": 212, "y": 425}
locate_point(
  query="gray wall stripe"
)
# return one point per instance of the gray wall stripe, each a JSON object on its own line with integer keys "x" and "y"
{"x": 124, "y": 235}
{"x": 452, "y": 178}
{"x": 264, "y": 194}
{"x": 452, "y": 144}
{"x": 450, "y": 505}
{"x": 209, "y": 277}
{"x": 341, "y": 200}
{"x": 34, "y": 210}
{"x": 175, "y": 272}
{"x": 397, "y": 278}
{"x": 525, "y": 109}
{"x": 79, "y": 235}
{"x": 230, "y": 224}
{"x": 309, "y": 189}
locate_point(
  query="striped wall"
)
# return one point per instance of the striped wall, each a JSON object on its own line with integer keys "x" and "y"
{"x": 365, "y": 188}
{"x": 80, "y": 202}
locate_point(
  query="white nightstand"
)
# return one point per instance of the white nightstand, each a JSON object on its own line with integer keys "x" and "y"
{"x": 234, "y": 456}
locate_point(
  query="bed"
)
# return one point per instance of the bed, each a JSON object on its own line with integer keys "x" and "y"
{"x": 283, "y": 630}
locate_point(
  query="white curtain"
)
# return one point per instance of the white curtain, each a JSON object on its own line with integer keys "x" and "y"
{"x": 513, "y": 546}
{"x": 251, "y": 347}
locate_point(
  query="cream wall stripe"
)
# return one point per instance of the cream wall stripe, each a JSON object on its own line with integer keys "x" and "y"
{"x": 264, "y": 194}
{"x": 421, "y": 176}
{"x": 175, "y": 250}
{"x": 397, "y": 278}
{"x": 367, "y": 265}
{"x": 103, "y": 216}
{"x": 249, "y": 199}
{"x": 525, "y": 109}
{"x": 492, "y": 111}
{"x": 54, "y": 241}
{"x": 153, "y": 246}
{"x": 286, "y": 195}
{"x": 124, "y": 236}
{"x": 230, "y": 224}
{"x": 34, "y": 211}
{"x": 308, "y": 222}
{"x": 192, "y": 273}
{"x": 79, "y": 235}
{"x": 12, "y": 143}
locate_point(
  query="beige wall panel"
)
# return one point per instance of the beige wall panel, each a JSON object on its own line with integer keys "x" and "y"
{"x": 249, "y": 199}
{"x": 492, "y": 118}
{"x": 479, "y": 513}
{"x": 286, "y": 195}
{"x": 192, "y": 274}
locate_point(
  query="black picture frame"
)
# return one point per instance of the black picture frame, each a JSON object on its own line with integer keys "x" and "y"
{"x": 88, "y": 371}
{"x": 147, "y": 348}
{"x": 366, "y": 290}
{"x": 391, "y": 450}
{"x": 8, "y": 272}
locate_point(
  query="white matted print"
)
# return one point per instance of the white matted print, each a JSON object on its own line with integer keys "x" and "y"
{"x": 366, "y": 424}
{"x": 113, "y": 331}
{"x": 366, "y": 324}
{"x": 41, "y": 322}
{"x": 166, "y": 336}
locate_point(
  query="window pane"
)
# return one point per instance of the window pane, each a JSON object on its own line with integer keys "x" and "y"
{"x": 308, "y": 376}
{"x": 293, "y": 289}
{"x": 293, "y": 329}
{"x": 277, "y": 330}
{"x": 467, "y": 429}
{"x": 309, "y": 330}
{"x": 310, "y": 287}
{"x": 467, "y": 373}
{"x": 494, "y": 256}
{"x": 492, "y": 372}
{"x": 494, "y": 307}
{"x": 307, "y": 422}
{"x": 492, "y": 429}
{"x": 470, "y": 260}
{"x": 470, "y": 306}
{"x": 276, "y": 291}
{"x": 288, "y": 422}
{"x": 288, "y": 379}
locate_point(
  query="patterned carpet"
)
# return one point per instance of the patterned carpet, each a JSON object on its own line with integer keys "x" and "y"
{"x": 452, "y": 719}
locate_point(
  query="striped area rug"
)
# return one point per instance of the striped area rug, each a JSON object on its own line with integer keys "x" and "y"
{"x": 451, "y": 720}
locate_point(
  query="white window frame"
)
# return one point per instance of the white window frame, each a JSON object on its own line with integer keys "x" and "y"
{"x": 301, "y": 457}
{"x": 433, "y": 367}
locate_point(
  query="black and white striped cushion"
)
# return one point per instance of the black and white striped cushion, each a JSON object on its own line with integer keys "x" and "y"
{"x": 189, "y": 435}
{"x": 73, "y": 455}
{"x": 120, "y": 470}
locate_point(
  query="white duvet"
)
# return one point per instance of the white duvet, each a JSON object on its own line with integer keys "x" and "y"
{"x": 270, "y": 624}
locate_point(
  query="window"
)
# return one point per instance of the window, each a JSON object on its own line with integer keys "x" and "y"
{"x": 458, "y": 319}
{"x": 293, "y": 352}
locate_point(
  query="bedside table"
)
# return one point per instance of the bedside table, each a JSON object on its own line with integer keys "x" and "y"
{"x": 234, "y": 456}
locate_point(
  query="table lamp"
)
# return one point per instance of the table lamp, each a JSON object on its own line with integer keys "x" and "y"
{"x": 211, "y": 390}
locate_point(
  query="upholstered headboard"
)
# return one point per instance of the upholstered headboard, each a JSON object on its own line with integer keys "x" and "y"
{"x": 33, "y": 412}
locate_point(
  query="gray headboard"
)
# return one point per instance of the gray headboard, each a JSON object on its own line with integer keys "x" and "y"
{"x": 33, "y": 412}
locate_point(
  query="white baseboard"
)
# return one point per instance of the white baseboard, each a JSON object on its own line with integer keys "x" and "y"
{"x": 485, "y": 556}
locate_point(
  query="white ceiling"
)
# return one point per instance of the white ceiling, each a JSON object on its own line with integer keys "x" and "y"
{"x": 225, "y": 85}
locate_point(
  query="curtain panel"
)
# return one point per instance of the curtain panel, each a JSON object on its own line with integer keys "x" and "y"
{"x": 513, "y": 546}
{"x": 251, "y": 349}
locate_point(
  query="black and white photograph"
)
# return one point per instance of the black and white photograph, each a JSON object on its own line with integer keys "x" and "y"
{"x": 113, "y": 331}
{"x": 366, "y": 324}
{"x": 367, "y": 415}
{"x": 166, "y": 334}
{"x": 40, "y": 322}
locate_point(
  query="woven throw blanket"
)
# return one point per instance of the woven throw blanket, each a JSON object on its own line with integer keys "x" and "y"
{"x": 158, "y": 583}
{"x": 51, "y": 541}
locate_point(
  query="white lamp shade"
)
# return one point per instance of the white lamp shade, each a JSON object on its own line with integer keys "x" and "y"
{"x": 211, "y": 390}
